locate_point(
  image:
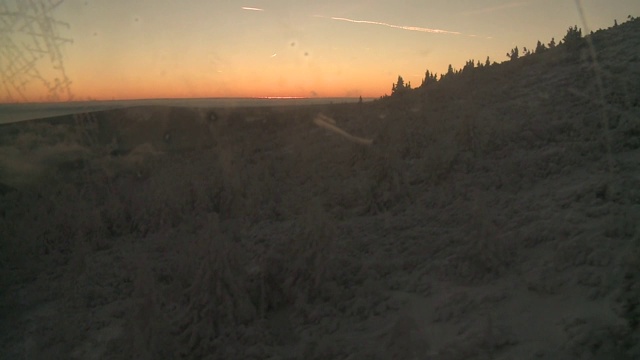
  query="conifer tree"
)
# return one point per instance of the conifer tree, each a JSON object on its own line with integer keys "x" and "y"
{"x": 400, "y": 86}
{"x": 400, "y": 83}
{"x": 573, "y": 39}
{"x": 468, "y": 66}
{"x": 429, "y": 78}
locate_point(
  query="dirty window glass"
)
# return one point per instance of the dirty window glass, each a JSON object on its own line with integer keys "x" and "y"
{"x": 275, "y": 179}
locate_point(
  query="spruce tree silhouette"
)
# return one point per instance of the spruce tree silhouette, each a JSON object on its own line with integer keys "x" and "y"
{"x": 399, "y": 87}
{"x": 573, "y": 39}
{"x": 429, "y": 78}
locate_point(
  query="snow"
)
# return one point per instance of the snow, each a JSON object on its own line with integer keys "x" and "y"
{"x": 488, "y": 220}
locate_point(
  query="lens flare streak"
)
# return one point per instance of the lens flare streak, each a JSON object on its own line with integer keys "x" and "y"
{"x": 328, "y": 123}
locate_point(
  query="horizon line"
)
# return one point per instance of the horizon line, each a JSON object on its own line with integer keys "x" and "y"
{"x": 191, "y": 98}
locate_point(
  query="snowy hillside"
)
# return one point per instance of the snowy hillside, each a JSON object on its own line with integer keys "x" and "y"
{"x": 494, "y": 215}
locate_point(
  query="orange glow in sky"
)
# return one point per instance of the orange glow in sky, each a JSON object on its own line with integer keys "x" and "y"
{"x": 279, "y": 48}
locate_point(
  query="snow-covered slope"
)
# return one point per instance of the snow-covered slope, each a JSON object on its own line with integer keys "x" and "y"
{"x": 494, "y": 216}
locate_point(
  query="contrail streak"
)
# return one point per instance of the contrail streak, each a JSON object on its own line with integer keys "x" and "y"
{"x": 410, "y": 28}
{"x": 252, "y": 8}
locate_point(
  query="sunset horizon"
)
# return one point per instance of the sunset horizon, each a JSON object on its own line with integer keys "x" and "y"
{"x": 286, "y": 179}
{"x": 81, "y": 100}
{"x": 258, "y": 49}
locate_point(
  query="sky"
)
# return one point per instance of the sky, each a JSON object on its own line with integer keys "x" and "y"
{"x": 126, "y": 49}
